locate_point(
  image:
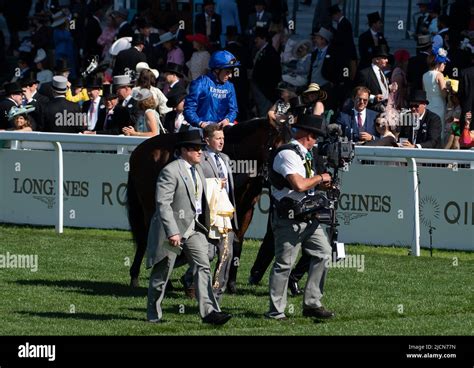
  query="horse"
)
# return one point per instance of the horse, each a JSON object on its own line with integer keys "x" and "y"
{"x": 249, "y": 141}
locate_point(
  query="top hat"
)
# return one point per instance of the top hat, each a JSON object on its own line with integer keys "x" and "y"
{"x": 29, "y": 79}
{"x": 198, "y": 37}
{"x": 189, "y": 138}
{"x": 423, "y": 41}
{"x": 311, "y": 123}
{"x": 373, "y": 18}
{"x": 174, "y": 69}
{"x": 380, "y": 51}
{"x": 175, "y": 96}
{"x": 108, "y": 92}
{"x": 12, "y": 88}
{"x": 324, "y": 33}
{"x": 61, "y": 66}
{"x": 60, "y": 84}
{"x": 94, "y": 83}
{"x": 335, "y": 9}
{"x": 122, "y": 81}
{"x": 297, "y": 103}
{"x": 138, "y": 39}
{"x": 418, "y": 95}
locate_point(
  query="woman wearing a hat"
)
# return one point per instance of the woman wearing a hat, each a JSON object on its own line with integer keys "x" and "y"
{"x": 148, "y": 124}
{"x": 315, "y": 96}
{"x": 174, "y": 52}
{"x": 20, "y": 118}
{"x": 147, "y": 78}
{"x": 44, "y": 75}
{"x": 435, "y": 85}
{"x": 199, "y": 61}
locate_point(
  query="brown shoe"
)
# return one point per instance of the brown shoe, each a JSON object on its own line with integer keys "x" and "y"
{"x": 320, "y": 313}
{"x": 190, "y": 292}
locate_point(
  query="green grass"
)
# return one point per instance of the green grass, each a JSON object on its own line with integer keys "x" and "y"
{"x": 86, "y": 271}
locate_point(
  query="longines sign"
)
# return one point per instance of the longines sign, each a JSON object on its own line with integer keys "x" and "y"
{"x": 376, "y": 204}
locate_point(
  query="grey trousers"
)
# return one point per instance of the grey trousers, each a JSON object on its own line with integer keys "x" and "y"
{"x": 290, "y": 236}
{"x": 223, "y": 276}
{"x": 196, "y": 250}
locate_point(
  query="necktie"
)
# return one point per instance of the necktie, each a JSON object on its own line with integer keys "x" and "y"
{"x": 359, "y": 120}
{"x": 208, "y": 26}
{"x": 382, "y": 78}
{"x": 220, "y": 171}
{"x": 193, "y": 174}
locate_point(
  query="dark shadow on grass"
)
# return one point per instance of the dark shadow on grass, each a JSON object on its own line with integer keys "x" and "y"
{"x": 88, "y": 287}
{"x": 80, "y": 316}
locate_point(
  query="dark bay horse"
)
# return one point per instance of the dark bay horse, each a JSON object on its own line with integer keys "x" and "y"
{"x": 247, "y": 141}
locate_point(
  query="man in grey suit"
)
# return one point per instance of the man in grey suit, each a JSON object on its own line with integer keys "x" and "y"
{"x": 177, "y": 223}
{"x": 216, "y": 164}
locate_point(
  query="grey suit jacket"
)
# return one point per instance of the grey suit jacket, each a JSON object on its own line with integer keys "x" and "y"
{"x": 175, "y": 209}
{"x": 209, "y": 169}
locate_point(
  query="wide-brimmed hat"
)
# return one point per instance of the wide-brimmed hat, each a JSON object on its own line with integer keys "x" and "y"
{"x": 121, "y": 44}
{"x": 423, "y": 41}
{"x": 166, "y": 37}
{"x": 122, "y": 81}
{"x": 175, "y": 96}
{"x": 189, "y": 138}
{"x": 380, "y": 51}
{"x": 324, "y": 33}
{"x": 108, "y": 92}
{"x": 40, "y": 56}
{"x": 314, "y": 88}
{"x": 198, "y": 37}
{"x": 144, "y": 66}
{"x": 12, "y": 88}
{"x": 373, "y": 18}
{"x": 311, "y": 123}
{"x": 59, "y": 84}
{"x": 19, "y": 110}
{"x": 141, "y": 94}
{"x": 121, "y": 12}
{"x": 174, "y": 69}
{"x": 418, "y": 95}
{"x": 298, "y": 44}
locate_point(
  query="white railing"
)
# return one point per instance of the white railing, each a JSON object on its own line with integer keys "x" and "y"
{"x": 123, "y": 144}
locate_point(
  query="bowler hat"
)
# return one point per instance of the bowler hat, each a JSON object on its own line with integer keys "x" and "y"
{"x": 190, "y": 138}
{"x": 373, "y": 18}
{"x": 174, "y": 69}
{"x": 108, "y": 92}
{"x": 311, "y": 123}
{"x": 418, "y": 95}
{"x": 12, "y": 88}
{"x": 380, "y": 51}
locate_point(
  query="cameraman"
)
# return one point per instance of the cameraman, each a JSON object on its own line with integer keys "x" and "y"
{"x": 292, "y": 171}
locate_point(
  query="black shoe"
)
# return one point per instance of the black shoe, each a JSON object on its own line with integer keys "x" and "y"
{"x": 318, "y": 313}
{"x": 216, "y": 318}
{"x": 254, "y": 280}
{"x": 169, "y": 286}
{"x": 294, "y": 288}
{"x": 232, "y": 287}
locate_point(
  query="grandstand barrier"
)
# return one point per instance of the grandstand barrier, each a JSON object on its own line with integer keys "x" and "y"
{"x": 390, "y": 196}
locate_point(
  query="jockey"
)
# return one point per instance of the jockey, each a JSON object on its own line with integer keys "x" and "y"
{"x": 211, "y": 98}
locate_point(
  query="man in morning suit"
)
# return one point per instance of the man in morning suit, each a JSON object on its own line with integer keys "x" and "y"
{"x": 178, "y": 222}
{"x": 129, "y": 58}
{"x": 370, "y": 39}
